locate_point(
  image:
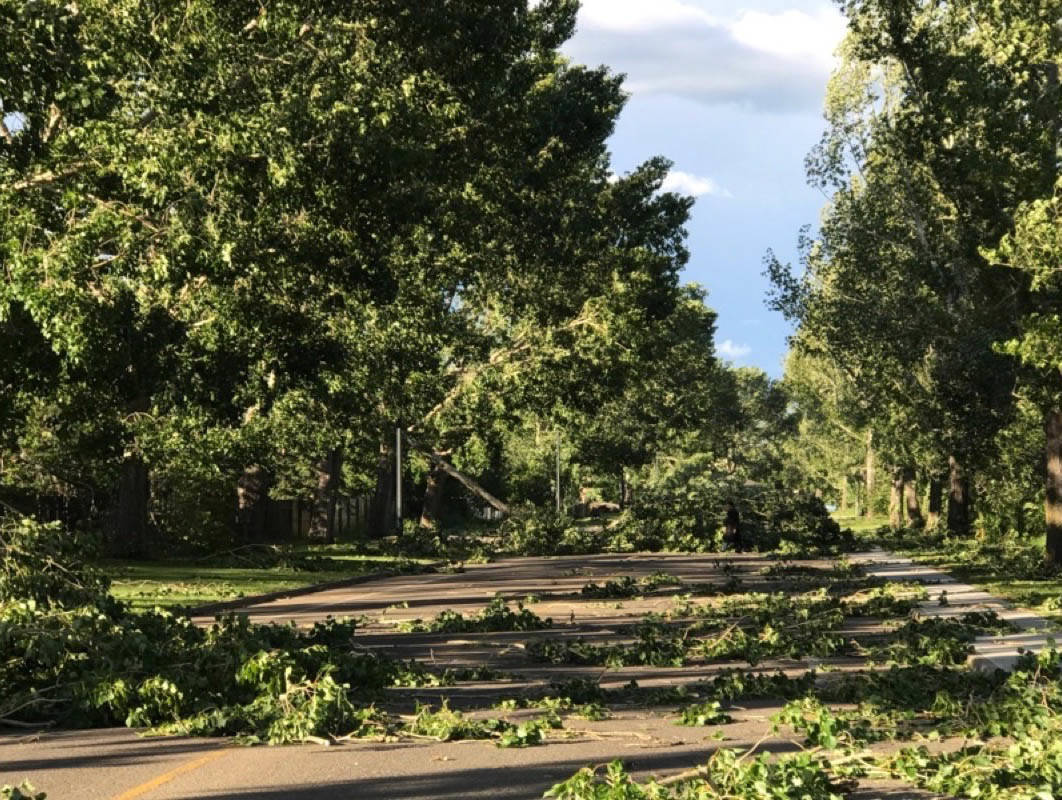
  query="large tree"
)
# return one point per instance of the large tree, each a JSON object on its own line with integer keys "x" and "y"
{"x": 235, "y": 225}
{"x": 1036, "y": 248}
{"x": 935, "y": 138}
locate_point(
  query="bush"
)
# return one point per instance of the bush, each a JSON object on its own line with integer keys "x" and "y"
{"x": 542, "y": 532}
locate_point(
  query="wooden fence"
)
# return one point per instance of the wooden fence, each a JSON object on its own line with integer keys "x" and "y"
{"x": 290, "y": 519}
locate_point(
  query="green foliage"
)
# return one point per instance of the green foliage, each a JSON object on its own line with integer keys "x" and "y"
{"x": 797, "y": 524}
{"x": 1030, "y": 769}
{"x": 726, "y": 774}
{"x": 938, "y": 640}
{"x": 330, "y": 218}
{"x": 1035, "y": 247}
{"x": 710, "y": 712}
{"x": 732, "y": 684}
{"x": 825, "y": 728}
{"x": 23, "y": 791}
{"x": 525, "y": 734}
{"x": 927, "y": 303}
{"x": 615, "y": 784}
{"x": 593, "y": 711}
{"x": 497, "y": 616}
{"x": 35, "y": 562}
{"x": 77, "y": 657}
{"x": 448, "y": 725}
{"x": 655, "y": 645}
{"x": 1010, "y": 724}
{"x": 683, "y": 509}
{"x": 889, "y": 600}
{"x": 753, "y": 628}
{"x": 627, "y": 586}
{"x": 542, "y": 532}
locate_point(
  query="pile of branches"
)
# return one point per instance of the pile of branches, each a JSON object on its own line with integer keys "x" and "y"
{"x": 74, "y": 656}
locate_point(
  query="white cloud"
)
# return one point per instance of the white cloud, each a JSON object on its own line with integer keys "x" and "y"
{"x": 692, "y": 185}
{"x": 771, "y": 60}
{"x": 792, "y": 34}
{"x": 639, "y": 16}
{"x": 734, "y": 352}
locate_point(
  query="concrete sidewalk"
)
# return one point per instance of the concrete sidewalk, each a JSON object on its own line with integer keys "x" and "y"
{"x": 951, "y": 598}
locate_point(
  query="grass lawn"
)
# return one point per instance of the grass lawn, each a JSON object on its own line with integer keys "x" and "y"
{"x": 860, "y": 524}
{"x": 174, "y": 584}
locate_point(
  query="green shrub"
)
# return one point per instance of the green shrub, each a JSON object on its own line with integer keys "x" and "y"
{"x": 543, "y": 532}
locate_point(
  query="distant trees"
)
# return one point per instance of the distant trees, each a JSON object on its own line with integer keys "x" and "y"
{"x": 942, "y": 137}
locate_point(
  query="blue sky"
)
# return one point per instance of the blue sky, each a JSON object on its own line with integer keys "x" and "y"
{"x": 732, "y": 93}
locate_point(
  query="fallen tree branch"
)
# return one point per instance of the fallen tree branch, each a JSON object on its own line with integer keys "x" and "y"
{"x": 46, "y": 177}
{"x": 14, "y": 723}
{"x": 459, "y": 476}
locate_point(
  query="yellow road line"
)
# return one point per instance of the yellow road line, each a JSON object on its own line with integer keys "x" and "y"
{"x": 166, "y": 777}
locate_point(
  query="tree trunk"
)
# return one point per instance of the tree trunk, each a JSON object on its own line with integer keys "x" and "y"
{"x": 1053, "y": 495}
{"x": 896, "y": 501}
{"x": 460, "y": 477}
{"x": 382, "y": 509}
{"x": 130, "y": 521}
{"x": 433, "y": 496}
{"x": 910, "y": 493}
{"x": 959, "y": 501}
{"x": 844, "y": 495}
{"x": 252, "y": 497}
{"x": 469, "y": 484}
{"x": 323, "y": 516}
{"x": 868, "y": 474}
{"x": 936, "y": 503}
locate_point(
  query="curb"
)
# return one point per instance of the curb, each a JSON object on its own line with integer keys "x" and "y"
{"x": 211, "y": 609}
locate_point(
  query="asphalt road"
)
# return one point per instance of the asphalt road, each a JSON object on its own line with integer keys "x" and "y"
{"x": 101, "y": 765}
{"x": 121, "y": 765}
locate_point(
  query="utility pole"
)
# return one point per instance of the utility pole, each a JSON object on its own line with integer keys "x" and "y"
{"x": 398, "y": 477}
